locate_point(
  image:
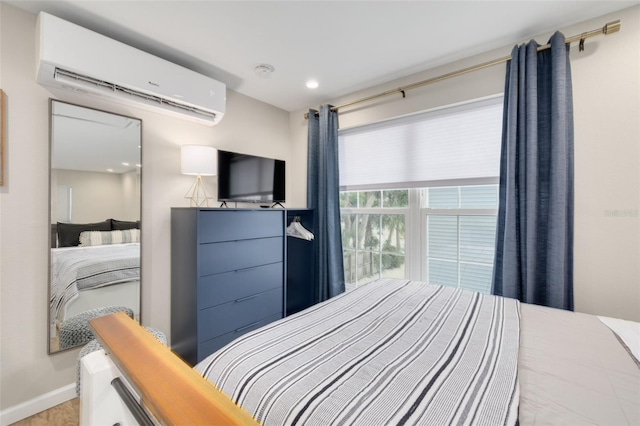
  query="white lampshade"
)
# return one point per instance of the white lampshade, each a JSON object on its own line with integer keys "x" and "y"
{"x": 198, "y": 160}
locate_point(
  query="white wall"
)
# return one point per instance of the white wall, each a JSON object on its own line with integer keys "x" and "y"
{"x": 607, "y": 157}
{"x": 26, "y": 370}
{"x": 606, "y": 87}
{"x": 131, "y": 189}
{"x": 95, "y": 196}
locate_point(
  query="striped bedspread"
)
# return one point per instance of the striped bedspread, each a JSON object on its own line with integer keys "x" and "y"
{"x": 81, "y": 268}
{"x": 392, "y": 352}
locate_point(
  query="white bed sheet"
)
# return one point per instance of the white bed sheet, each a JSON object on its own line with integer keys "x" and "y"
{"x": 627, "y": 331}
{"x": 67, "y": 262}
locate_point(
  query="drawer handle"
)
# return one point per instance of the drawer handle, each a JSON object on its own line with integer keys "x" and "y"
{"x": 242, "y": 299}
{"x": 246, "y": 269}
{"x": 253, "y": 324}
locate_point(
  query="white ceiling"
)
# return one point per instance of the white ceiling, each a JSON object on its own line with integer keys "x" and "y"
{"x": 345, "y": 45}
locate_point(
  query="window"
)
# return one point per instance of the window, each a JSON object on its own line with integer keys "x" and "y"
{"x": 459, "y": 228}
{"x": 373, "y": 234}
{"x": 419, "y": 197}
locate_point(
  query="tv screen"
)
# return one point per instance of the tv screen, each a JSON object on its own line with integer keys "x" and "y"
{"x": 250, "y": 179}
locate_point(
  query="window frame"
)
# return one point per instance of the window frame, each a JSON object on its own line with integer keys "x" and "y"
{"x": 416, "y": 250}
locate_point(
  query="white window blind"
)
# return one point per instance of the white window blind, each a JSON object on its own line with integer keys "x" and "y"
{"x": 463, "y": 197}
{"x": 460, "y": 235}
{"x": 460, "y": 250}
{"x": 448, "y": 145}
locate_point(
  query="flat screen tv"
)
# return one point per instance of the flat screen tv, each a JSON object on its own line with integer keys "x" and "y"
{"x": 249, "y": 178}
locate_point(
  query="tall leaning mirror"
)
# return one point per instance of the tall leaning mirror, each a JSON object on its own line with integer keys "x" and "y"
{"x": 95, "y": 178}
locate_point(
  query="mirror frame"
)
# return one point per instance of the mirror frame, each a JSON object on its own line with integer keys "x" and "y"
{"x": 49, "y": 237}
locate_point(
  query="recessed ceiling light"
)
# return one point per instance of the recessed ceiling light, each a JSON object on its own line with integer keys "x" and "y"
{"x": 138, "y": 165}
{"x": 312, "y": 84}
{"x": 125, "y": 164}
{"x": 110, "y": 170}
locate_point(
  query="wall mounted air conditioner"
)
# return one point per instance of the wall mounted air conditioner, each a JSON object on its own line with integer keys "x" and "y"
{"x": 75, "y": 58}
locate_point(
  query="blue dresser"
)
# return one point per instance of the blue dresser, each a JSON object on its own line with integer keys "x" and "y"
{"x": 228, "y": 275}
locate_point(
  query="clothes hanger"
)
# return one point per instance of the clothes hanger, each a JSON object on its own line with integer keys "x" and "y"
{"x": 302, "y": 230}
{"x": 292, "y": 230}
{"x": 295, "y": 229}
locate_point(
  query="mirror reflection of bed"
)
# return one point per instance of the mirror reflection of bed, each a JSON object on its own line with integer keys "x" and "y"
{"x": 95, "y": 220}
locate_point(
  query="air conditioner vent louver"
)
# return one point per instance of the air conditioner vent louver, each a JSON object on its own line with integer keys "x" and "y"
{"x": 64, "y": 75}
{"x": 71, "y": 57}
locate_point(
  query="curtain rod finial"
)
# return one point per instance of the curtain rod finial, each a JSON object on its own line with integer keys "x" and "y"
{"x": 611, "y": 27}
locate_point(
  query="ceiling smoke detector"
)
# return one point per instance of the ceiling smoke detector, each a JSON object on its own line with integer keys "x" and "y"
{"x": 264, "y": 70}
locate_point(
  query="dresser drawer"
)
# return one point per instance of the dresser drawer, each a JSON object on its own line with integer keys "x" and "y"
{"x": 218, "y": 226}
{"x": 210, "y": 346}
{"x": 226, "y": 287}
{"x": 236, "y": 315}
{"x": 230, "y": 256}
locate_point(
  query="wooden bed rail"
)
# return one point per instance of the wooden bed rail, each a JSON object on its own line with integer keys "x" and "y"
{"x": 170, "y": 390}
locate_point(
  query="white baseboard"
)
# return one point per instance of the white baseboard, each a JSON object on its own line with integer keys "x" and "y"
{"x": 38, "y": 404}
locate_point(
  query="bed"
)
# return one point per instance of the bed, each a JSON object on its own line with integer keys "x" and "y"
{"x": 405, "y": 352}
{"x": 84, "y": 278}
{"x": 93, "y": 266}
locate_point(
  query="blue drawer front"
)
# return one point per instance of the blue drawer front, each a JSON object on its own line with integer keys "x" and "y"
{"x": 219, "y": 226}
{"x": 234, "y": 316}
{"x": 217, "y": 289}
{"x": 210, "y": 346}
{"x": 225, "y": 257}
